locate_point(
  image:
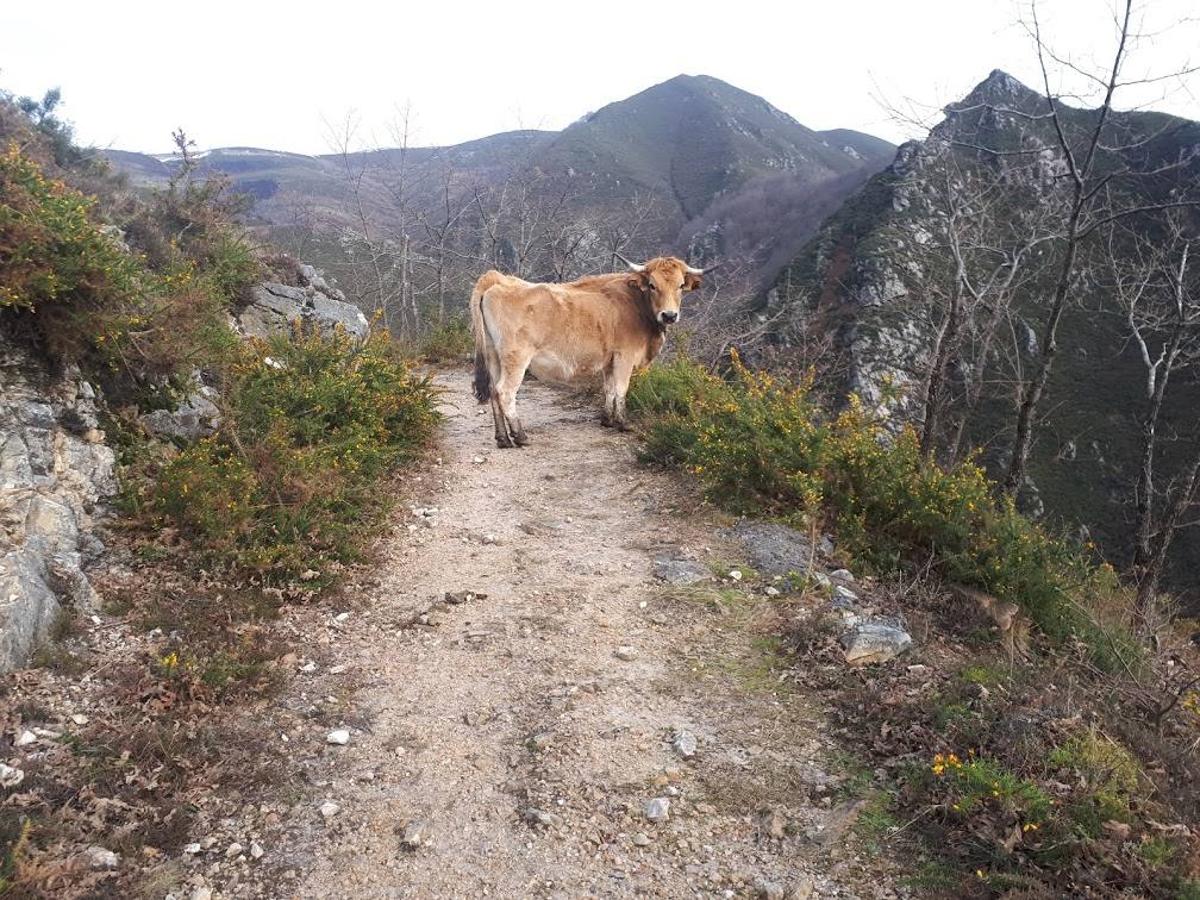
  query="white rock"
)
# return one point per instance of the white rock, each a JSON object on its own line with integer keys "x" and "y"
{"x": 685, "y": 744}
{"x": 414, "y": 834}
{"x": 626, "y": 652}
{"x": 80, "y": 719}
{"x": 9, "y": 776}
{"x": 640, "y": 839}
{"x": 201, "y": 893}
{"x": 101, "y": 858}
{"x": 478, "y": 460}
{"x": 340, "y": 736}
{"x": 329, "y": 809}
{"x": 256, "y": 850}
{"x": 735, "y": 574}
{"x": 341, "y": 617}
{"x": 844, "y": 593}
{"x": 308, "y": 668}
{"x": 842, "y": 575}
{"x": 233, "y": 850}
{"x": 772, "y": 592}
{"x": 658, "y": 809}
{"x": 26, "y": 738}
{"x": 191, "y": 849}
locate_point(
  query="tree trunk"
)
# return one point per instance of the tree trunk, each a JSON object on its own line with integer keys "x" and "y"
{"x": 947, "y": 337}
{"x": 1145, "y": 482}
{"x": 1023, "y": 441}
{"x": 1185, "y": 496}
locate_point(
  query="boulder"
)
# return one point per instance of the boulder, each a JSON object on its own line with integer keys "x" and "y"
{"x": 275, "y": 306}
{"x": 874, "y": 642}
{"x": 195, "y": 417}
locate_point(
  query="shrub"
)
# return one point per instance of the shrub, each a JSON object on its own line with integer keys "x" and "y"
{"x": 449, "y": 342}
{"x": 289, "y": 480}
{"x": 1109, "y": 773}
{"x": 67, "y": 278}
{"x": 52, "y": 251}
{"x": 758, "y": 444}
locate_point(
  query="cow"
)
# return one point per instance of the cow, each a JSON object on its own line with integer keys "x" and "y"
{"x": 602, "y": 325}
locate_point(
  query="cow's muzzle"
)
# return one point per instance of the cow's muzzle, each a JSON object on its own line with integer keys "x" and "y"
{"x": 668, "y": 317}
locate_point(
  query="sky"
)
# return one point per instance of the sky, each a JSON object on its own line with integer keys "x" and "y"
{"x": 290, "y": 76}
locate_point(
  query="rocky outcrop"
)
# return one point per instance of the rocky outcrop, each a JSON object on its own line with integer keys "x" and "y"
{"x": 275, "y": 306}
{"x": 55, "y": 472}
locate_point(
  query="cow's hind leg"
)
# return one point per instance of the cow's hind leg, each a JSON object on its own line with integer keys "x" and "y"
{"x": 496, "y": 371}
{"x": 512, "y": 374}
{"x": 503, "y": 438}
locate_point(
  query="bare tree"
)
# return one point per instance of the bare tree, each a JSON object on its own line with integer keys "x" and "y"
{"x": 1096, "y": 152}
{"x": 1155, "y": 281}
{"x": 373, "y": 261}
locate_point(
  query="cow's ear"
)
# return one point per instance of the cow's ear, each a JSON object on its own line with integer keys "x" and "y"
{"x": 639, "y": 280}
{"x": 691, "y": 282}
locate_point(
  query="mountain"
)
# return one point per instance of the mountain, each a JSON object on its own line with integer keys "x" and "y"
{"x": 864, "y": 283}
{"x": 710, "y": 169}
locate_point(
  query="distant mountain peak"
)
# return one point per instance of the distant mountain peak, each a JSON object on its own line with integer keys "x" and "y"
{"x": 998, "y": 88}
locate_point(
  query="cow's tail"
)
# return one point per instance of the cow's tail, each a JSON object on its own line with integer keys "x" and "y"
{"x": 483, "y": 375}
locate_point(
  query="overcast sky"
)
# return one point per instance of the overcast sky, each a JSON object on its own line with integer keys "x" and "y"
{"x": 276, "y": 75}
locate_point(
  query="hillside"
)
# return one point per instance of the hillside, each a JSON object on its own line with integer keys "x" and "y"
{"x": 279, "y": 620}
{"x": 865, "y": 279}
{"x": 714, "y": 169}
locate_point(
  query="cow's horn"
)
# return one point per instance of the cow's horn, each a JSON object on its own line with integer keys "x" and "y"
{"x": 631, "y": 265}
{"x": 692, "y": 270}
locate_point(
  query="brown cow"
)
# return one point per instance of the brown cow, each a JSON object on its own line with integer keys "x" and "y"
{"x": 602, "y": 325}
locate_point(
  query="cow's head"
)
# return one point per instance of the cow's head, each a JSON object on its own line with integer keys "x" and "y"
{"x": 662, "y": 282}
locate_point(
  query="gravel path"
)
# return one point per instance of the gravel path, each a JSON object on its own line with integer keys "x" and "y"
{"x": 508, "y": 745}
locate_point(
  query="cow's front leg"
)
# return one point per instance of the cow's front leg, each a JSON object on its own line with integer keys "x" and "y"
{"x": 622, "y": 372}
{"x": 610, "y": 399}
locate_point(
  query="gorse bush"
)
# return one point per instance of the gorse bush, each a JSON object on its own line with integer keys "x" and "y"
{"x": 135, "y": 321}
{"x": 290, "y": 480}
{"x": 758, "y": 444}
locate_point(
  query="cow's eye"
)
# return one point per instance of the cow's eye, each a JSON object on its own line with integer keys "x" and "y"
{"x": 652, "y": 286}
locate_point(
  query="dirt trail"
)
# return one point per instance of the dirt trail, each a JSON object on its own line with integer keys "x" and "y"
{"x": 510, "y": 732}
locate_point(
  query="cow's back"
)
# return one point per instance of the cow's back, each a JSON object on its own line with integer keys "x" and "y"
{"x": 567, "y": 332}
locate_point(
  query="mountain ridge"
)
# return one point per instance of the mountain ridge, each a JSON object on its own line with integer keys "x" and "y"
{"x": 855, "y": 282}
{"x": 687, "y": 147}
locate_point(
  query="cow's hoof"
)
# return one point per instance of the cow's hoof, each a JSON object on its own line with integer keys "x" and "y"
{"x": 505, "y": 443}
{"x": 606, "y": 421}
{"x": 622, "y": 426}
{"x": 522, "y": 439}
